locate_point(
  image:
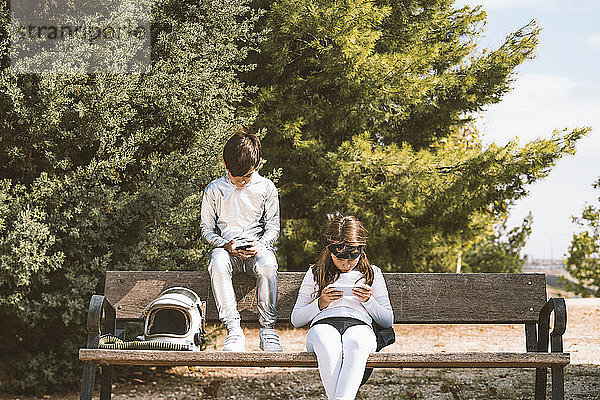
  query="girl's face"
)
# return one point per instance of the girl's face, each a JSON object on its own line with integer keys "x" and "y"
{"x": 344, "y": 265}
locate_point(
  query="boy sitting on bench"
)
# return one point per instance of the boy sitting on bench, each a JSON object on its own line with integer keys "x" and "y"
{"x": 240, "y": 219}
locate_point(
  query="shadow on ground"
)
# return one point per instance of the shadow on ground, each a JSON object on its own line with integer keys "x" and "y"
{"x": 581, "y": 382}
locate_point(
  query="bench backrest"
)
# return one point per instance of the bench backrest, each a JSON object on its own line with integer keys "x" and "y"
{"x": 416, "y": 298}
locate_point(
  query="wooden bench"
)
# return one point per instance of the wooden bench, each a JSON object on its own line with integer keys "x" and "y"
{"x": 415, "y": 298}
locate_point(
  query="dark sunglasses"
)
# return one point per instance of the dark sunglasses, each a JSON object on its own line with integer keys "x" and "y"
{"x": 345, "y": 252}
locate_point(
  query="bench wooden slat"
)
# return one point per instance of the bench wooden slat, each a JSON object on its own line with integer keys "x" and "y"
{"x": 416, "y": 298}
{"x": 304, "y": 359}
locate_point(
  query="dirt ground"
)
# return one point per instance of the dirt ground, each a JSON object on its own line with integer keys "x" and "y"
{"x": 582, "y": 377}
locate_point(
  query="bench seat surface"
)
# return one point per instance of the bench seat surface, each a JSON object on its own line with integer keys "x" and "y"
{"x": 304, "y": 359}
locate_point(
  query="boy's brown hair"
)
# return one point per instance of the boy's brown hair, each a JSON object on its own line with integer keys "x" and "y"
{"x": 241, "y": 152}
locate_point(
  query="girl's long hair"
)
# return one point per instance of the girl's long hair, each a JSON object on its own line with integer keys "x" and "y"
{"x": 349, "y": 231}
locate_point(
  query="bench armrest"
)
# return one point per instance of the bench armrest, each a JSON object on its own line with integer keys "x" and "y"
{"x": 558, "y": 306}
{"x": 101, "y": 319}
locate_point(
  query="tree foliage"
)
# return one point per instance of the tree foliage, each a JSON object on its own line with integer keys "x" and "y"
{"x": 106, "y": 170}
{"x": 583, "y": 257}
{"x": 368, "y": 108}
{"x": 500, "y": 251}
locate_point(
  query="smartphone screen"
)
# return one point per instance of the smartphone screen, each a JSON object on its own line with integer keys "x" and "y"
{"x": 346, "y": 290}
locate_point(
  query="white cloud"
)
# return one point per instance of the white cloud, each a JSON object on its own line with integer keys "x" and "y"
{"x": 594, "y": 40}
{"x": 538, "y": 104}
{"x": 534, "y": 108}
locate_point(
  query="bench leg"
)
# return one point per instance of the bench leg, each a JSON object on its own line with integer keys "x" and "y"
{"x": 87, "y": 382}
{"x": 106, "y": 382}
{"x": 540, "y": 383}
{"x": 558, "y": 383}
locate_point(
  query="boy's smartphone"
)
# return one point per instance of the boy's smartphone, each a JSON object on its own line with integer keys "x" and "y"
{"x": 242, "y": 246}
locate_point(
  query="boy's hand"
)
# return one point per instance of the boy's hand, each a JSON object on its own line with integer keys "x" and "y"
{"x": 328, "y": 296}
{"x": 229, "y": 247}
{"x": 243, "y": 253}
{"x": 248, "y": 252}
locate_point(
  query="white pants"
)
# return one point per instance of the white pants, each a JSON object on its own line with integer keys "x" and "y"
{"x": 263, "y": 265}
{"x": 341, "y": 358}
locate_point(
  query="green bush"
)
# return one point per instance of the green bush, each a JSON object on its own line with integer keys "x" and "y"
{"x": 583, "y": 256}
{"x": 500, "y": 251}
{"x": 106, "y": 170}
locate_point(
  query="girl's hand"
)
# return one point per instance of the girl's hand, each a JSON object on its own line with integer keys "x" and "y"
{"x": 363, "y": 292}
{"x": 328, "y": 296}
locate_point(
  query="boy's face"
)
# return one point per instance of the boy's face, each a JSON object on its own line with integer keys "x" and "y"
{"x": 241, "y": 181}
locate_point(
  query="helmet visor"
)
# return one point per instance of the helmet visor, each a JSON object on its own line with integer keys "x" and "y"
{"x": 172, "y": 321}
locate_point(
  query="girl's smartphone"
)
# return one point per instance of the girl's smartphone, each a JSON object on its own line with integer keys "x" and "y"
{"x": 243, "y": 246}
{"x": 346, "y": 290}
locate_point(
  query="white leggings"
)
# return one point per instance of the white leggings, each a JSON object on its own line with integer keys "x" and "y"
{"x": 342, "y": 358}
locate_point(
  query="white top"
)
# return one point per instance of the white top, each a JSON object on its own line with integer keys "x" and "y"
{"x": 377, "y": 308}
{"x": 246, "y": 214}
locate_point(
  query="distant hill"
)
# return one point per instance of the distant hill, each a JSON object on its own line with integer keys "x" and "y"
{"x": 543, "y": 264}
{"x": 555, "y": 274}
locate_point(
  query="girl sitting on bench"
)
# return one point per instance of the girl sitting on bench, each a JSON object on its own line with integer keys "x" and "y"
{"x": 340, "y": 296}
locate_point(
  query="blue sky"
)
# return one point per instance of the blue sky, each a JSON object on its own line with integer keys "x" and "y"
{"x": 559, "y": 89}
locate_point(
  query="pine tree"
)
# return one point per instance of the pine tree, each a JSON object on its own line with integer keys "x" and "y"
{"x": 368, "y": 108}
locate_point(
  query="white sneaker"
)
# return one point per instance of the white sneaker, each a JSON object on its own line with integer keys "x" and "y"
{"x": 269, "y": 340}
{"x": 235, "y": 340}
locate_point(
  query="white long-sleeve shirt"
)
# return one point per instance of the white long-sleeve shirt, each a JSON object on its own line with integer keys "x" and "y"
{"x": 247, "y": 214}
{"x": 377, "y": 308}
